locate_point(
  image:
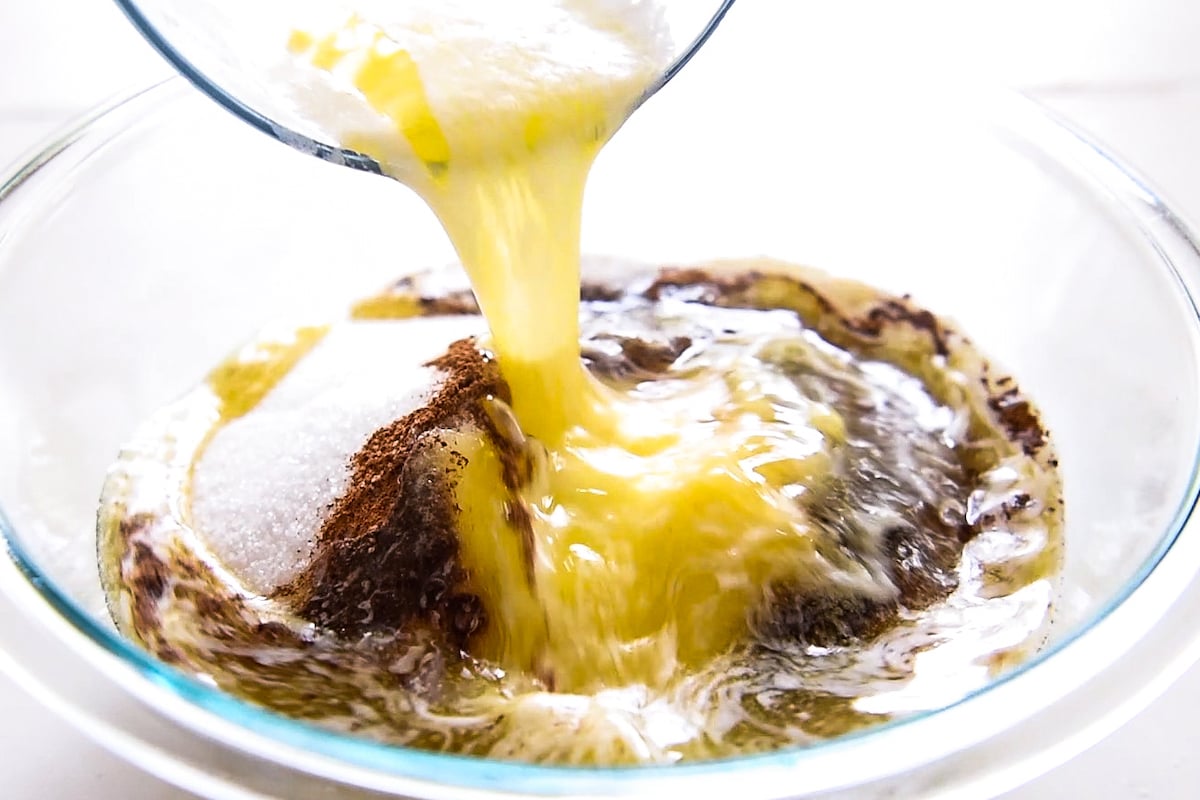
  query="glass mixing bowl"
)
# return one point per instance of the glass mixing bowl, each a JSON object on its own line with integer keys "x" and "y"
{"x": 152, "y": 239}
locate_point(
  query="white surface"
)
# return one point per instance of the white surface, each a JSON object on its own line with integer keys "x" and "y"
{"x": 1126, "y": 70}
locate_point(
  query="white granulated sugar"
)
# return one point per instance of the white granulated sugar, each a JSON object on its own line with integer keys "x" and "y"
{"x": 266, "y": 481}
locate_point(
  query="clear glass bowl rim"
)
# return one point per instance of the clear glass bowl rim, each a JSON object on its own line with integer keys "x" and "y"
{"x": 328, "y": 152}
{"x": 1014, "y": 114}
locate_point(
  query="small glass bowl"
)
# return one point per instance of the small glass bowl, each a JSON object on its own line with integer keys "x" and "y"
{"x": 226, "y": 50}
{"x": 149, "y": 241}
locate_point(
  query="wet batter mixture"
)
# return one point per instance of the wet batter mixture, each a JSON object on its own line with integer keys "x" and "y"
{"x": 339, "y": 576}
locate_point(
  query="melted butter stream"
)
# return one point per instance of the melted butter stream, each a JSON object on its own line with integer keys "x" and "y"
{"x": 656, "y": 523}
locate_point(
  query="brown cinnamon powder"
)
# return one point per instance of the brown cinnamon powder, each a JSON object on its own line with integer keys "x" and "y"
{"x": 387, "y": 555}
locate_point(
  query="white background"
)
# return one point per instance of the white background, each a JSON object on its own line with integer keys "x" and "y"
{"x": 1128, "y": 71}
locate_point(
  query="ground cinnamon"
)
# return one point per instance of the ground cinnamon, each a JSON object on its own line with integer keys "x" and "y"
{"x": 387, "y": 555}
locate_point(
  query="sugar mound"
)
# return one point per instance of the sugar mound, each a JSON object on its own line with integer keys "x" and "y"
{"x": 266, "y": 482}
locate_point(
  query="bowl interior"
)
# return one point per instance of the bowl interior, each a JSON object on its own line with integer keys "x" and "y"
{"x": 163, "y": 234}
